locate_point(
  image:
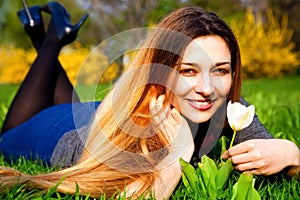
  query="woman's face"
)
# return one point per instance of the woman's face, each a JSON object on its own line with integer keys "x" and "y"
{"x": 204, "y": 79}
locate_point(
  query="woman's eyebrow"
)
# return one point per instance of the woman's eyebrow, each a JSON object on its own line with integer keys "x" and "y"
{"x": 216, "y": 64}
{"x": 223, "y": 63}
{"x": 187, "y": 63}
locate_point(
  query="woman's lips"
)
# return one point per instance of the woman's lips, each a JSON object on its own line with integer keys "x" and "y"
{"x": 201, "y": 105}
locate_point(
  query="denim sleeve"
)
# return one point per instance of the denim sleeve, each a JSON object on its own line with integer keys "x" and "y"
{"x": 255, "y": 131}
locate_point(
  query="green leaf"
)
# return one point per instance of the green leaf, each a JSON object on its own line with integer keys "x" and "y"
{"x": 204, "y": 177}
{"x": 186, "y": 182}
{"x": 209, "y": 165}
{"x": 244, "y": 189}
{"x": 211, "y": 188}
{"x": 190, "y": 174}
{"x": 223, "y": 174}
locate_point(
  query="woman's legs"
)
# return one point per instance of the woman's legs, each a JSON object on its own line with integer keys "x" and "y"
{"x": 46, "y": 83}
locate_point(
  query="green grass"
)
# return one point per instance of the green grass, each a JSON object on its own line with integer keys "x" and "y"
{"x": 277, "y": 103}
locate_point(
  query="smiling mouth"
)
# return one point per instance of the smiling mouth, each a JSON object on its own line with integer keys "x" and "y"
{"x": 200, "y": 102}
{"x": 201, "y": 105}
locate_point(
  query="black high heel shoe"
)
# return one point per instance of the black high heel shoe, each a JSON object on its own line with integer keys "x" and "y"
{"x": 66, "y": 32}
{"x": 32, "y": 21}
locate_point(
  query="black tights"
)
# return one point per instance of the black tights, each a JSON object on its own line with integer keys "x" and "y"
{"x": 45, "y": 85}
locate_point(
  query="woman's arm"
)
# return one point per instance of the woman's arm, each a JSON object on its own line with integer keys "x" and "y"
{"x": 177, "y": 134}
{"x": 180, "y": 140}
{"x": 169, "y": 170}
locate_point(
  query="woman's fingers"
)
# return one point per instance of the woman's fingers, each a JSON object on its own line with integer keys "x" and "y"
{"x": 161, "y": 113}
{"x": 238, "y": 149}
{"x": 164, "y": 118}
{"x": 157, "y": 112}
{"x": 176, "y": 115}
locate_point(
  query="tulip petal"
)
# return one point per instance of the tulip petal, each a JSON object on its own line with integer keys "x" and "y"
{"x": 230, "y": 114}
{"x": 239, "y": 116}
{"x": 249, "y": 116}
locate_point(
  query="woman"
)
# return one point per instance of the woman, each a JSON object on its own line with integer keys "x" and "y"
{"x": 189, "y": 66}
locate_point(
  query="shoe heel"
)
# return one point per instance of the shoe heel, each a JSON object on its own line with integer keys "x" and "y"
{"x": 80, "y": 22}
{"x": 32, "y": 21}
{"x": 30, "y": 16}
{"x": 65, "y": 32}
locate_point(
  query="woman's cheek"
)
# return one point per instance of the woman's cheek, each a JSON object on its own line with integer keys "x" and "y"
{"x": 227, "y": 84}
{"x": 178, "y": 93}
{"x": 223, "y": 86}
{"x": 182, "y": 87}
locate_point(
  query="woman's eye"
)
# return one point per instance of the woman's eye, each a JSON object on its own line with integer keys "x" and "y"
{"x": 221, "y": 71}
{"x": 187, "y": 72}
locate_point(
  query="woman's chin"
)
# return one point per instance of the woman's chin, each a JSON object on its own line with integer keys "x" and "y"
{"x": 197, "y": 119}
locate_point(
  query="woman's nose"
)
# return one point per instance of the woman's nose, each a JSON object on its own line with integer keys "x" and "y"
{"x": 203, "y": 85}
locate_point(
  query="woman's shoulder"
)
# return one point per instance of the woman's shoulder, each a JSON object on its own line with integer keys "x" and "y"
{"x": 244, "y": 102}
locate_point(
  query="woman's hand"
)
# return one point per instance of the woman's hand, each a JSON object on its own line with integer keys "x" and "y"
{"x": 265, "y": 156}
{"x": 165, "y": 119}
{"x": 174, "y": 127}
{"x": 178, "y": 135}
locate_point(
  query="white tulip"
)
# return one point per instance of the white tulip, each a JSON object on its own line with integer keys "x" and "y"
{"x": 239, "y": 116}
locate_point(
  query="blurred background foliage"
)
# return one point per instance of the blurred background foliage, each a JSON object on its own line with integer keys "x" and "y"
{"x": 267, "y": 49}
{"x": 267, "y": 31}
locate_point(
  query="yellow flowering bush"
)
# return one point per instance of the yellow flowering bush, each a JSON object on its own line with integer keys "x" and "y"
{"x": 110, "y": 73}
{"x": 92, "y": 69}
{"x": 14, "y": 64}
{"x": 266, "y": 48}
{"x": 96, "y": 69}
{"x": 71, "y": 58}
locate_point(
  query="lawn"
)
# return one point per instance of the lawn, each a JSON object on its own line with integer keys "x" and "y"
{"x": 277, "y": 103}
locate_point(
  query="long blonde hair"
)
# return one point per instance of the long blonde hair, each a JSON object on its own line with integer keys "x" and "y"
{"x": 122, "y": 144}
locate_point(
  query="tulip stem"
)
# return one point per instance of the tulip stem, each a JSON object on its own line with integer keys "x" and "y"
{"x": 233, "y": 137}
